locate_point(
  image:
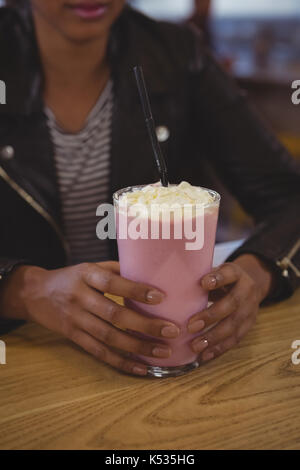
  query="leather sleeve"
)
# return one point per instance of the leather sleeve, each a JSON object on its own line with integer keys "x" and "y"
{"x": 6, "y": 267}
{"x": 253, "y": 165}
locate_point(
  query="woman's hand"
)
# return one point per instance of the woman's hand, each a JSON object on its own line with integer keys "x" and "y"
{"x": 70, "y": 302}
{"x": 237, "y": 289}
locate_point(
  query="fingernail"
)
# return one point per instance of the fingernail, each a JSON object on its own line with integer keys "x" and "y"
{"x": 170, "y": 331}
{"x": 196, "y": 326}
{"x": 212, "y": 281}
{"x": 139, "y": 370}
{"x": 154, "y": 296}
{"x": 161, "y": 351}
{"x": 207, "y": 356}
{"x": 200, "y": 345}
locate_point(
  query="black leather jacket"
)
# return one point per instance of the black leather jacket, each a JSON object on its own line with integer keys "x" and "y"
{"x": 209, "y": 120}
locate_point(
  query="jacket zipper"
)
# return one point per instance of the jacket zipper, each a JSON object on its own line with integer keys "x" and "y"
{"x": 286, "y": 263}
{"x": 36, "y": 206}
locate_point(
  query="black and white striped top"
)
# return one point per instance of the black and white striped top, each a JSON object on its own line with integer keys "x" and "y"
{"x": 83, "y": 170}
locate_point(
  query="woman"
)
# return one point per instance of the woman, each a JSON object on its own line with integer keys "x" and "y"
{"x": 72, "y": 133}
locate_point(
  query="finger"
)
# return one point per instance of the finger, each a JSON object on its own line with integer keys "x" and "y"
{"x": 225, "y": 274}
{"x": 111, "y": 336}
{"x": 125, "y": 318}
{"x": 217, "y": 334}
{"x": 227, "y": 305}
{"x": 219, "y": 349}
{"x": 107, "y": 281}
{"x": 217, "y": 311}
{"x": 110, "y": 265}
{"x": 229, "y": 342}
{"x": 214, "y": 336}
{"x": 103, "y": 353}
{"x": 218, "y": 294}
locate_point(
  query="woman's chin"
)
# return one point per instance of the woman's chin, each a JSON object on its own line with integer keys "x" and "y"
{"x": 85, "y": 33}
{"x": 83, "y": 30}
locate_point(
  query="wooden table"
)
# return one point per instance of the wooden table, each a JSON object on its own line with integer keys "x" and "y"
{"x": 54, "y": 396}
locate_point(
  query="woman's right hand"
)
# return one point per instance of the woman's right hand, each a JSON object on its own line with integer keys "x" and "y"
{"x": 70, "y": 301}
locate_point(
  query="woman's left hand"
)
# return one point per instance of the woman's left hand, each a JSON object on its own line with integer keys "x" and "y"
{"x": 237, "y": 289}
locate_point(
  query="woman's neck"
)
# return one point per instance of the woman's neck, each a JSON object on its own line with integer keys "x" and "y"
{"x": 74, "y": 74}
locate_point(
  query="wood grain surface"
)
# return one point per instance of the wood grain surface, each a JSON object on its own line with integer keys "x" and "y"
{"x": 54, "y": 396}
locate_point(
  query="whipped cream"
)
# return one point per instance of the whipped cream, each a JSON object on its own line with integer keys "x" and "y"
{"x": 181, "y": 194}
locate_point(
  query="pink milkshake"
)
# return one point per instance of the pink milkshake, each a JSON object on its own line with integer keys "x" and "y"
{"x": 161, "y": 252}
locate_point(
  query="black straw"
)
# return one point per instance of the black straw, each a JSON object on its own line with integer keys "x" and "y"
{"x": 159, "y": 158}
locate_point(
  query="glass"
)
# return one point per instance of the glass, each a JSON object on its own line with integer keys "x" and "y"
{"x": 168, "y": 265}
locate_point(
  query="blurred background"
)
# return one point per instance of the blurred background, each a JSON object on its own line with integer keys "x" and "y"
{"x": 258, "y": 42}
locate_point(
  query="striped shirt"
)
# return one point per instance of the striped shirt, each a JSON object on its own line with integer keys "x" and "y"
{"x": 83, "y": 169}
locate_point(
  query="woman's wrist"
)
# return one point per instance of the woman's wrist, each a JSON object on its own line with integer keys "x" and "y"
{"x": 15, "y": 290}
{"x": 260, "y": 272}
